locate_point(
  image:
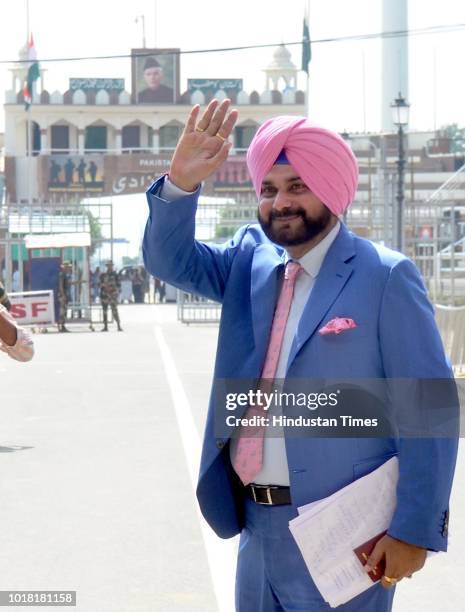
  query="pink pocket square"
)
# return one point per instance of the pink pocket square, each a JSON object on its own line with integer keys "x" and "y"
{"x": 337, "y": 325}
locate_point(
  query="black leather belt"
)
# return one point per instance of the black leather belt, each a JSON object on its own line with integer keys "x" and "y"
{"x": 269, "y": 495}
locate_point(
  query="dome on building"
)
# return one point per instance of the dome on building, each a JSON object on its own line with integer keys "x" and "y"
{"x": 281, "y": 73}
{"x": 20, "y": 68}
{"x": 23, "y": 52}
{"x": 281, "y": 59}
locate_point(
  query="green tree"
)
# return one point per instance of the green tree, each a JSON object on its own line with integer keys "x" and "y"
{"x": 232, "y": 217}
{"x": 130, "y": 261}
{"x": 456, "y": 135}
{"x": 95, "y": 231}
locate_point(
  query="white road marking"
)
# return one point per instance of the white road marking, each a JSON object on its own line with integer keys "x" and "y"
{"x": 221, "y": 554}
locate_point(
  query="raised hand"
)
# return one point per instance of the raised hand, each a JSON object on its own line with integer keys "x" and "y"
{"x": 203, "y": 146}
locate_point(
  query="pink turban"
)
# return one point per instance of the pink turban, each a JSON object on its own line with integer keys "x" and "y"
{"x": 321, "y": 158}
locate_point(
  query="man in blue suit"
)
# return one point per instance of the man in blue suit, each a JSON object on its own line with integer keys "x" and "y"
{"x": 277, "y": 324}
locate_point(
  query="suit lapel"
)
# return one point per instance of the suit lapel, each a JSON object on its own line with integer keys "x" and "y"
{"x": 333, "y": 275}
{"x": 266, "y": 265}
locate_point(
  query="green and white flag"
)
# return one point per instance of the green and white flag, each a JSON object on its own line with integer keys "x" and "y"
{"x": 33, "y": 73}
{"x": 306, "y": 48}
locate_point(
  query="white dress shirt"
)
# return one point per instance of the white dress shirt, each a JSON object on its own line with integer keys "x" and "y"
{"x": 169, "y": 191}
{"x": 275, "y": 469}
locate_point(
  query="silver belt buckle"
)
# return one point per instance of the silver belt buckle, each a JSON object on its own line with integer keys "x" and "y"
{"x": 269, "y": 501}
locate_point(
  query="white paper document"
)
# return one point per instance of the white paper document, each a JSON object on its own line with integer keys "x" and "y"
{"x": 328, "y": 530}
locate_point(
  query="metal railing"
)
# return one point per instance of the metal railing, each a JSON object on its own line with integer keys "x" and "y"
{"x": 195, "y": 309}
{"x": 454, "y": 182}
{"x": 451, "y": 323}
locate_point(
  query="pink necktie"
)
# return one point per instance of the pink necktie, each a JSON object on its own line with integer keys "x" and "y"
{"x": 248, "y": 456}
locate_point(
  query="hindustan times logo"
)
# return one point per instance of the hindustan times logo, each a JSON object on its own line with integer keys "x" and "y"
{"x": 265, "y": 401}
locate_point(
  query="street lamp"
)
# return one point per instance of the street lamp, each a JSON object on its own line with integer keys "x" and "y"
{"x": 400, "y": 112}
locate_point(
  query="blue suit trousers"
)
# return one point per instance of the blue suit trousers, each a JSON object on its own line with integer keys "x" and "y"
{"x": 271, "y": 573}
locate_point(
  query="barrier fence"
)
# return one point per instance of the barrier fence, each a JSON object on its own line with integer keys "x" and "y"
{"x": 450, "y": 320}
{"x": 194, "y": 309}
{"x": 451, "y": 323}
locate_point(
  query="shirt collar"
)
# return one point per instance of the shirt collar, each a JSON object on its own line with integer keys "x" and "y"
{"x": 312, "y": 261}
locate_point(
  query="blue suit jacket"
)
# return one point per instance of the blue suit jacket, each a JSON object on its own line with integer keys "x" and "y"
{"x": 396, "y": 337}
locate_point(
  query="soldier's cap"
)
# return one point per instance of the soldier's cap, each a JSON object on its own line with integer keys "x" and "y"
{"x": 66, "y": 263}
{"x": 109, "y": 263}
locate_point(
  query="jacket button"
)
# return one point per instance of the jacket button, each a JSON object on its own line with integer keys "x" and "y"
{"x": 220, "y": 444}
{"x": 445, "y": 529}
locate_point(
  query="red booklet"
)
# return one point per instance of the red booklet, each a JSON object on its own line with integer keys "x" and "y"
{"x": 364, "y": 551}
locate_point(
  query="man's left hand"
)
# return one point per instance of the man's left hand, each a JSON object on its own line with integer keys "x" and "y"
{"x": 402, "y": 559}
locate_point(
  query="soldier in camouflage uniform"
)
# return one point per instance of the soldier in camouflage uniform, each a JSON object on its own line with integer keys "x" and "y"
{"x": 110, "y": 286}
{"x": 64, "y": 294}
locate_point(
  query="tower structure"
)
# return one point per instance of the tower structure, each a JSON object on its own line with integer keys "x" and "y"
{"x": 19, "y": 72}
{"x": 395, "y": 59}
{"x": 281, "y": 73}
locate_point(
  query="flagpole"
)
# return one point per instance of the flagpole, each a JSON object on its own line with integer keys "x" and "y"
{"x": 307, "y": 97}
{"x": 155, "y": 40}
{"x": 435, "y": 90}
{"x": 28, "y": 160}
{"x": 364, "y": 94}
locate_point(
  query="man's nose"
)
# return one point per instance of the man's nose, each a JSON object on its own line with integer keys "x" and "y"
{"x": 281, "y": 201}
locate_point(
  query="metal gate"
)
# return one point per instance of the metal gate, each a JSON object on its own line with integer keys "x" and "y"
{"x": 195, "y": 309}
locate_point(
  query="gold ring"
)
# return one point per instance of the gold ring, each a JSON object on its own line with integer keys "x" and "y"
{"x": 390, "y": 580}
{"x": 199, "y": 129}
{"x": 220, "y": 137}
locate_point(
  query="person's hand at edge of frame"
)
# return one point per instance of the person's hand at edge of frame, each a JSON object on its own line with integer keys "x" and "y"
{"x": 203, "y": 145}
{"x": 402, "y": 560}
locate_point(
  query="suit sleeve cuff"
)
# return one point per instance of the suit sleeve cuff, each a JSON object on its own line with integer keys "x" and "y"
{"x": 170, "y": 192}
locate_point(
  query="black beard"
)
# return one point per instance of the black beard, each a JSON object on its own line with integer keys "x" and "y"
{"x": 309, "y": 228}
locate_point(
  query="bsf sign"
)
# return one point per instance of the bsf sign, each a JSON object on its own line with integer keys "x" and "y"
{"x": 33, "y": 307}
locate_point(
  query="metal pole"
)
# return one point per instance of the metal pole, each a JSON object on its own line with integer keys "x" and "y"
{"x": 400, "y": 191}
{"x": 142, "y": 19}
{"x": 27, "y": 21}
{"x": 307, "y": 97}
{"x": 370, "y": 203}
{"x": 111, "y": 230}
{"x": 435, "y": 82}
{"x": 452, "y": 253}
{"x": 364, "y": 101}
{"x": 155, "y": 37}
{"x": 385, "y": 192}
{"x": 29, "y": 140}
{"x": 435, "y": 291}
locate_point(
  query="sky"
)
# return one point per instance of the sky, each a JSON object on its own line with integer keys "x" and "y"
{"x": 340, "y": 97}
